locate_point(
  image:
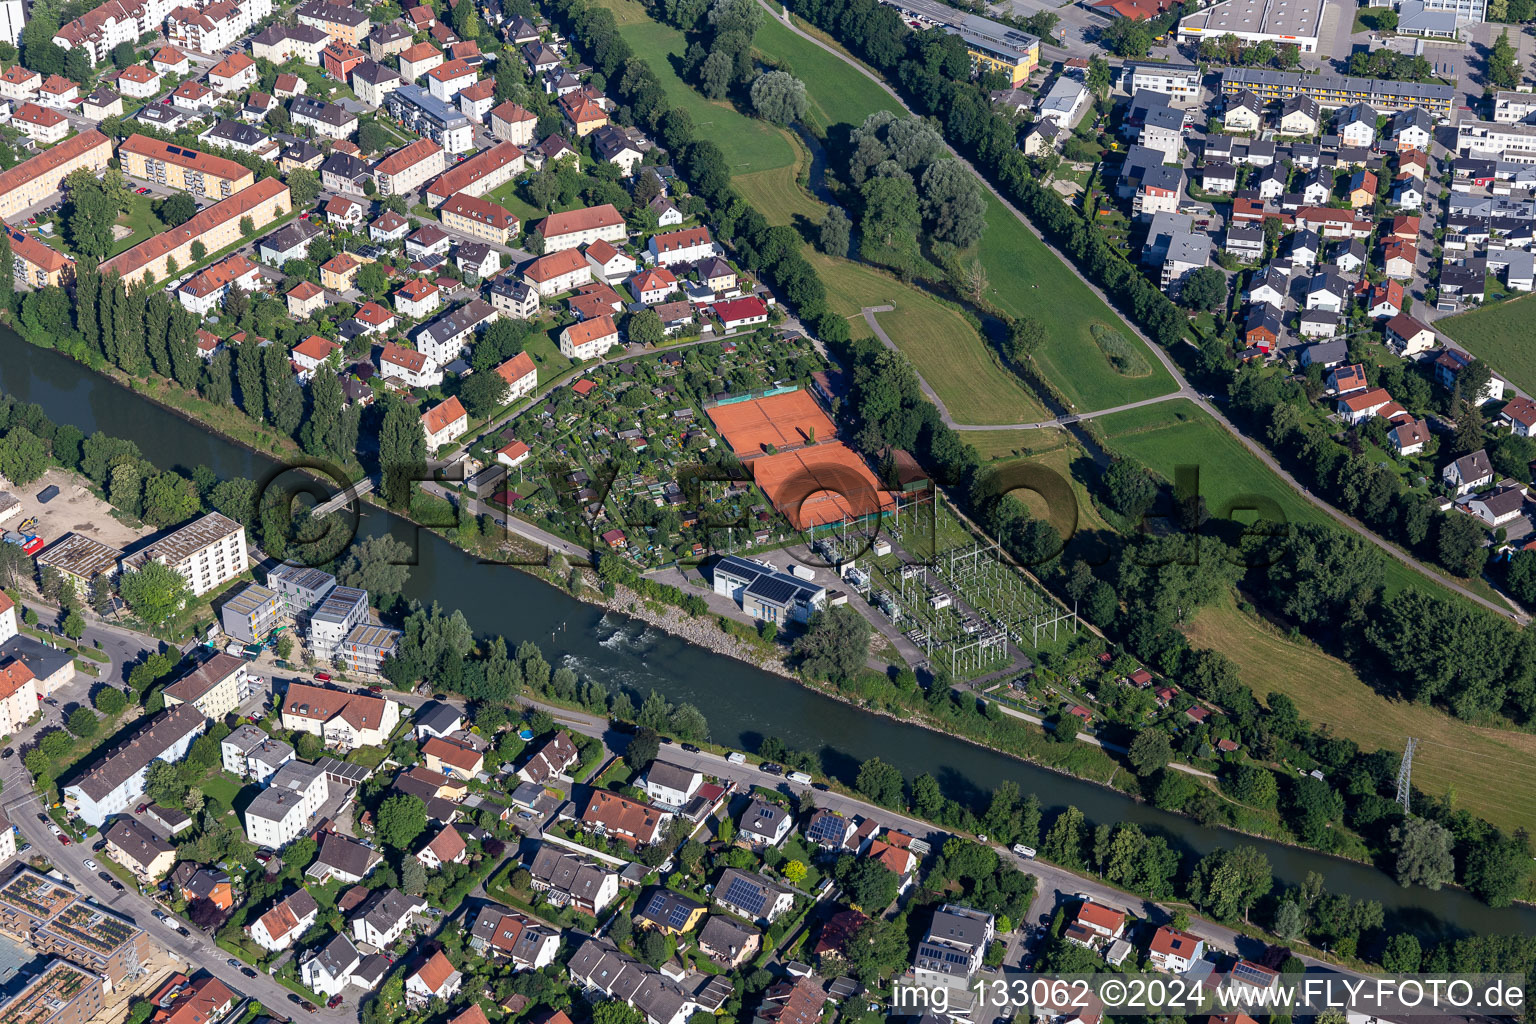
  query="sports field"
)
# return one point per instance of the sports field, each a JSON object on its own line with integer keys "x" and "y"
{"x": 1026, "y": 279}
{"x": 1492, "y": 771}
{"x": 749, "y": 144}
{"x": 1501, "y": 334}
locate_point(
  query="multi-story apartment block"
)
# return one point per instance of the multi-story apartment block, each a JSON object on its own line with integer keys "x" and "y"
{"x": 205, "y": 292}
{"x": 98, "y": 30}
{"x": 367, "y": 647}
{"x": 252, "y": 754}
{"x": 344, "y": 720}
{"x": 479, "y": 218}
{"x": 282, "y": 812}
{"x": 327, "y": 119}
{"x": 80, "y": 559}
{"x": 35, "y": 264}
{"x": 216, "y": 687}
{"x": 951, "y": 952}
{"x": 333, "y": 619}
{"x": 575, "y": 228}
{"x": 1331, "y": 90}
{"x": 215, "y": 26}
{"x": 478, "y": 174}
{"x": 117, "y": 780}
{"x": 207, "y": 552}
{"x": 408, "y": 168}
{"x": 250, "y": 615}
{"x": 31, "y": 181}
{"x": 408, "y": 365}
{"x": 300, "y": 588}
{"x": 281, "y": 43}
{"x": 511, "y": 123}
{"x": 61, "y": 994}
{"x": 340, "y": 21}
{"x": 428, "y": 116}
{"x": 216, "y": 227}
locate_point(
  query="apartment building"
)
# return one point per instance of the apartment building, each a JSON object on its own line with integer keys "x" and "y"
{"x": 333, "y": 618}
{"x": 1332, "y": 90}
{"x": 687, "y": 245}
{"x": 1181, "y": 81}
{"x": 205, "y": 291}
{"x": 43, "y": 125}
{"x": 216, "y": 687}
{"x": 281, "y": 813}
{"x": 575, "y": 228}
{"x": 282, "y": 43}
{"x": 252, "y": 754}
{"x": 479, "y": 218}
{"x": 444, "y": 423}
{"x": 367, "y": 647}
{"x": 344, "y": 720}
{"x": 327, "y": 119}
{"x": 340, "y": 21}
{"x": 511, "y": 123}
{"x": 98, "y": 30}
{"x": 135, "y": 847}
{"x": 408, "y": 168}
{"x": 300, "y": 587}
{"x": 33, "y": 180}
{"x": 80, "y": 559}
{"x": 207, "y": 553}
{"x": 521, "y": 375}
{"x": 117, "y": 780}
{"x": 409, "y": 366}
{"x": 61, "y": 994}
{"x": 478, "y": 174}
{"x": 216, "y": 227}
{"x": 428, "y": 116}
{"x": 232, "y": 74}
{"x": 952, "y": 951}
{"x": 35, "y": 264}
{"x": 450, "y": 77}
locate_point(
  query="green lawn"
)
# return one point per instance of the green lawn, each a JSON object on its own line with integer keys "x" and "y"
{"x": 1026, "y": 279}
{"x": 750, "y": 145}
{"x": 837, "y": 92}
{"x": 1501, "y": 334}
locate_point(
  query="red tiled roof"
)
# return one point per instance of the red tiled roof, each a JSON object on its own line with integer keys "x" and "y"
{"x": 556, "y": 264}
{"x": 588, "y": 218}
{"x": 591, "y": 330}
{"x": 515, "y": 369}
{"x": 442, "y": 414}
{"x": 461, "y": 176}
{"x": 435, "y": 972}
{"x": 408, "y": 156}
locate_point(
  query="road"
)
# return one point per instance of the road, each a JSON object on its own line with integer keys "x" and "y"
{"x": 1185, "y": 391}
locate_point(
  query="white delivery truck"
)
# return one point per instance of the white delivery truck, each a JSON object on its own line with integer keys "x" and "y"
{"x": 736, "y": 757}
{"x": 799, "y": 777}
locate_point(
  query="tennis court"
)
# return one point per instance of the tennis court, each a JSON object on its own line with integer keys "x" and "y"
{"x": 820, "y": 484}
{"x": 783, "y": 421}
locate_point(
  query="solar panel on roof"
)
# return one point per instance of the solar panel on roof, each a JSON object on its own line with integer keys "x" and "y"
{"x": 826, "y": 829}
{"x": 679, "y": 915}
{"x": 772, "y": 589}
{"x": 742, "y": 893}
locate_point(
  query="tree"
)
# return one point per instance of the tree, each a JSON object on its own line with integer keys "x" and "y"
{"x": 715, "y": 74}
{"x": 402, "y": 452}
{"x": 379, "y": 565}
{"x": 1127, "y": 38}
{"x": 1205, "y": 288}
{"x": 645, "y": 328}
{"x": 74, "y": 624}
{"x": 1227, "y": 882}
{"x": 835, "y": 644}
{"x": 952, "y": 203}
{"x": 870, "y": 885}
{"x": 878, "y": 950}
{"x": 176, "y": 209}
{"x": 1025, "y": 336}
{"x": 83, "y": 722}
{"x": 466, "y": 24}
{"x": 304, "y": 186}
{"x": 779, "y": 97}
{"x": 1150, "y": 752}
{"x": 153, "y": 592}
{"x": 1423, "y": 853}
{"x": 23, "y": 456}
{"x": 413, "y": 876}
{"x": 1503, "y": 63}
{"x": 794, "y": 872}
{"x": 199, "y": 250}
{"x": 371, "y": 280}
{"x": 1064, "y": 842}
{"x": 643, "y": 747}
{"x": 309, "y": 746}
{"x": 402, "y": 818}
{"x": 483, "y": 393}
{"x": 109, "y": 700}
{"x": 836, "y": 233}
{"x": 881, "y": 782}
{"x": 1402, "y": 955}
{"x": 92, "y": 209}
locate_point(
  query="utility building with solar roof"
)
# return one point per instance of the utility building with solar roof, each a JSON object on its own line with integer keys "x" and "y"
{"x": 766, "y": 593}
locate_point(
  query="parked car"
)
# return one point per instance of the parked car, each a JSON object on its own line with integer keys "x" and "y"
{"x": 91, "y": 865}
{"x": 104, "y": 876}
{"x": 323, "y": 677}
{"x": 248, "y": 972}
{"x": 769, "y": 768}
{"x": 691, "y": 748}
{"x": 119, "y": 886}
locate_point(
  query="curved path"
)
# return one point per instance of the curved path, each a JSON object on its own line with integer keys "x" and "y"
{"x": 1185, "y": 391}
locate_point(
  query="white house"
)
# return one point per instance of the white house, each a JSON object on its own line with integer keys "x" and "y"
{"x": 765, "y": 824}
{"x": 589, "y": 339}
{"x": 447, "y": 847}
{"x": 1174, "y": 951}
{"x": 1469, "y": 473}
{"x": 410, "y": 366}
{"x": 687, "y": 245}
{"x": 435, "y": 979}
{"x": 281, "y": 926}
{"x": 117, "y": 780}
{"x": 282, "y": 812}
{"x": 669, "y": 786}
{"x": 444, "y": 422}
{"x": 384, "y": 916}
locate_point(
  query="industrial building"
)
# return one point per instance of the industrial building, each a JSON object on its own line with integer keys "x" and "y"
{"x": 766, "y": 593}
{"x": 1257, "y": 21}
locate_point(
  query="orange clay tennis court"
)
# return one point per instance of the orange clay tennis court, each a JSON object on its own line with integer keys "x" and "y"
{"x": 784, "y": 421}
{"x": 825, "y": 483}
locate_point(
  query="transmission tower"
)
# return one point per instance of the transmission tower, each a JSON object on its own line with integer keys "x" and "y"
{"x": 1405, "y": 776}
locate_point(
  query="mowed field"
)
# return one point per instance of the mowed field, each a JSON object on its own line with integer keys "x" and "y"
{"x": 750, "y": 145}
{"x": 1178, "y": 433}
{"x": 1492, "y": 771}
{"x": 941, "y": 344}
{"x": 1501, "y": 334}
{"x": 838, "y": 94}
{"x": 1026, "y": 279}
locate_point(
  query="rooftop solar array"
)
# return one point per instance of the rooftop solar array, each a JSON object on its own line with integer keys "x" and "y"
{"x": 742, "y": 893}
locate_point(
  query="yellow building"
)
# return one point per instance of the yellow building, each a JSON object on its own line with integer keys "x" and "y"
{"x": 668, "y": 912}
{"x": 182, "y": 168}
{"x": 479, "y": 218}
{"x": 217, "y": 227}
{"x": 32, "y": 181}
{"x": 996, "y": 47}
{"x": 337, "y": 272}
{"x": 37, "y": 265}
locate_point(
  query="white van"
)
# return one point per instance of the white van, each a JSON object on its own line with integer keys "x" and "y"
{"x": 1027, "y": 852}
{"x": 736, "y": 757}
{"x": 799, "y": 777}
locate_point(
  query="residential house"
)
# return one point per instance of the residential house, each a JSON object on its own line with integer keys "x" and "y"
{"x": 727, "y": 941}
{"x": 952, "y": 950}
{"x": 1500, "y": 506}
{"x": 668, "y": 912}
{"x": 764, "y": 824}
{"x": 610, "y": 263}
{"x": 605, "y": 973}
{"x": 1520, "y": 416}
{"x": 383, "y": 917}
{"x": 1175, "y": 951}
{"x": 280, "y": 927}
{"x": 139, "y": 850}
{"x": 444, "y": 423}
{"x": 568, "y": 879}
{"x": 1469, "y": 473}
{"x": 1448, "y": 366}
{"x": 589, "y": 339}
{"x": 343, "y": 858}
{"x": 669, "y": 786}
{"x": 1300, "y": 115}
{"x": 1357, "y": 407}
{"x": 1409, "y": 436}
{"x": 552, "y": 761}
{"x": 1355, "y": 125}
{"x": 557, "y": 272}
{"x": 633, "y": 823}
{"x": 752, "y": 896}
{"x": 417, "y": 297}
{"x": 1407, "y": 336}
{"x": 508, "y": 935}
{"x": 1244, "y": 112}
{"x": 343, "y": 719}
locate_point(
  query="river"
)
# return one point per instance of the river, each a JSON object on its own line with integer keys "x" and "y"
{"x": 742, "y": 704}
